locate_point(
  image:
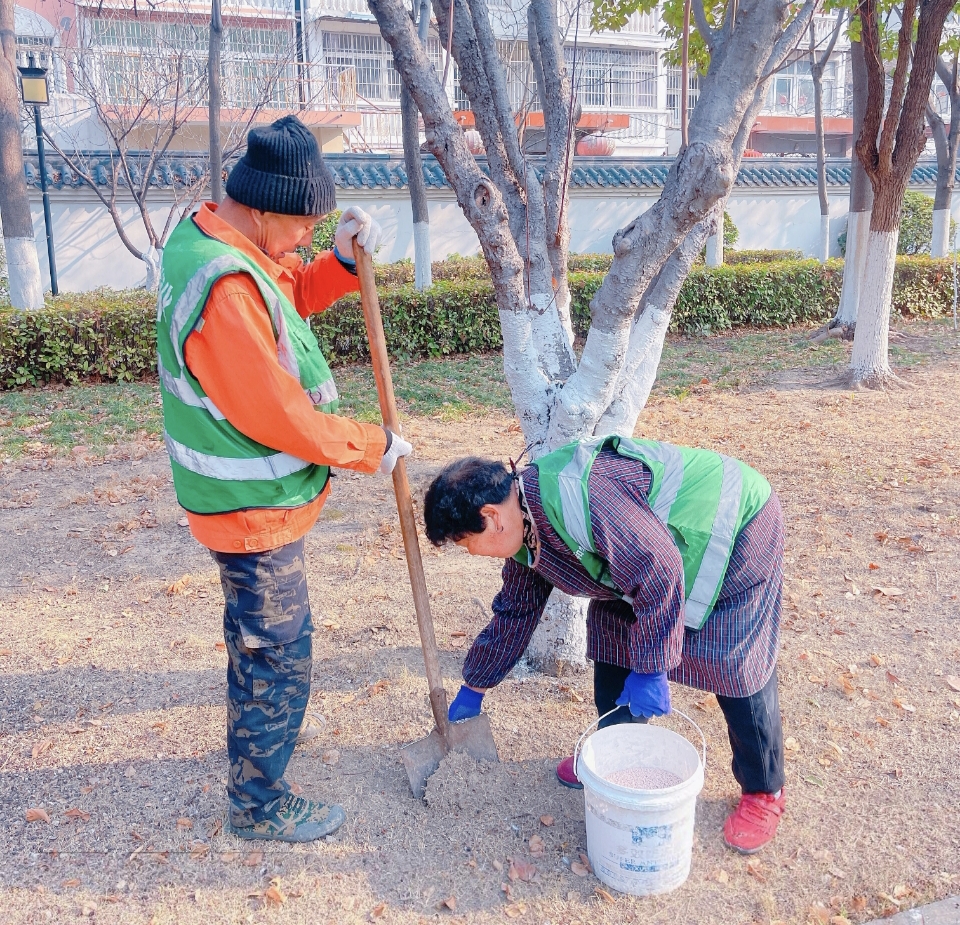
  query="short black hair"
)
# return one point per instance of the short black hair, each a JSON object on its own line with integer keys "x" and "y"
{"x": 451, "y": 508}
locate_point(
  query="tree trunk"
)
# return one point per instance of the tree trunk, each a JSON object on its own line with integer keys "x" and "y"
{"x": 714, "y": 256}
{"x": 823, "y": 251}
{"x": 946, "y": 145}
{"x": 423, "y": 271}
{"x": 214, "y": 99}
{"x": 869, "y": 362}
{"x": 19, "y": 242}
{"x": 861, "y": 202}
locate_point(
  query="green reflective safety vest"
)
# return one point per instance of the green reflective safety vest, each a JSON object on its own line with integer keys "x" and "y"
{"x": 216, "y": 468}
{"x": 704, "y": 498}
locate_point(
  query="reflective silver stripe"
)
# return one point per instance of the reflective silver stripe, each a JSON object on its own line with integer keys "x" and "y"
{"x": 228, "y": 469}
{"x": 672, "y": 460}
{"x": 717, "y": 553}
{"x": 191, "y": 295}
{"x": 324, "y": 393}
{"x": 572, "y": 504}
{"x": 182, "y": 390}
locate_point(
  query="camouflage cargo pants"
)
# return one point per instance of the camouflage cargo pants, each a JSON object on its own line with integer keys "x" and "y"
{"x": 267, "y": 627}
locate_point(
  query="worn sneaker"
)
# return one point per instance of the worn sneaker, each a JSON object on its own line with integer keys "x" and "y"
{"x": 312, "y": 726}
{"x": 754, "y": 822}
{"x": 567, "y": 776}
{"x": 297, "y": 820}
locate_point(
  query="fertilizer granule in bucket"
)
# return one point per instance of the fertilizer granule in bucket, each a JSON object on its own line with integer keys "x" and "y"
{"x": 643, "y": 777}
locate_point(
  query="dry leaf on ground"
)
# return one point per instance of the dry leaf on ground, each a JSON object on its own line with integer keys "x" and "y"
{"x": 538, "y": 847}
{"x": 77, "y": 813}
{"x": 331, "y": 756}
{"x": 184, "y": 823}
{"x": 179, "y": 586}
{"x": 579, "y": 869}
{"x": 450, "y": 903}
{"x": 274, "y": 895}
{"x": 378, "y": 910}
{"x": 514, "y": 910}
{"x": 546, "y": 820}
{"x": 37, "y": 814}
{"x": 953, "y": 682}
{"x": 521, "y": 870}
{"x": 604, "y": 895}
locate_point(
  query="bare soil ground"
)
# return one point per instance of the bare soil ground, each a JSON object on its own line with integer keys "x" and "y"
{"x": 112, "y": 691}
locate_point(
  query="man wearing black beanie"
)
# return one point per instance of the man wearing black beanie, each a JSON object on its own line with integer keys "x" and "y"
{"x": 250, "y": 423}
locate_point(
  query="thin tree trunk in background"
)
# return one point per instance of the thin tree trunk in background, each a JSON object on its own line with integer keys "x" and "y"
{"x": 946, "y": 144}
{"x": 861, "y": 203}
{"x": 214, "y": 91}
{"x": 23, "y": 264}
{"x": 423, "y": 271}
{"x": 817, "y": 65}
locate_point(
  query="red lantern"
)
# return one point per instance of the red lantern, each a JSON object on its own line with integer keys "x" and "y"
{"x": 474, "y": 141}
{"x": 596, "y": 146}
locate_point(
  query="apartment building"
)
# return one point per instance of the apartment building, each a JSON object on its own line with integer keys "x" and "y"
{"x": 326, "y": 61}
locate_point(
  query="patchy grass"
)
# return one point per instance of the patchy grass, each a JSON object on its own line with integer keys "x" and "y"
{"x": 54, "y": 419}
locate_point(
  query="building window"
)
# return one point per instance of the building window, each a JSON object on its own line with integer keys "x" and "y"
{"x": 370, "y": 59}
{"x": 130, "y": 58}
{"x": 674, "y": 84}
{"x": 791, "y": 90}
{"x": 607, "y": 78}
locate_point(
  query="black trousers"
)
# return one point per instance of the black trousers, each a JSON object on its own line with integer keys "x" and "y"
{"x": 753, "y": 725}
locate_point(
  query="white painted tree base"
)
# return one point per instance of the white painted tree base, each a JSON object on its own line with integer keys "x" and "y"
{"x": 714, "y": 256}
{"x": 940, "y": 242}
{"x": 153, "y": 258}
{"x": 869, "y": 361}
{"x": 858, "y": 230}
{"x": 23, "y": 268}
{"x": 823, "y": 255}
{"x": 422, "y": 268}
{"x": 560, "y": 642}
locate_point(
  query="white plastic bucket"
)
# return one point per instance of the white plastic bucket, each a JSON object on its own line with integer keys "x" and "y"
{"x": 639, "y": 841}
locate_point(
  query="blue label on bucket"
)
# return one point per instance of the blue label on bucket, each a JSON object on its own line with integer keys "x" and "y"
{"x": 659, "y": 834}
{"x": 641, "y": 868}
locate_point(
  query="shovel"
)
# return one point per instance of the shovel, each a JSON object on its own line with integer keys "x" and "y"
{"x": 473, "y": 736}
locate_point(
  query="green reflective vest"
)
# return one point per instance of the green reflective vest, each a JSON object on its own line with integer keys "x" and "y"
{"x": 704, "y": 498}
{"x": 216, "y": 468}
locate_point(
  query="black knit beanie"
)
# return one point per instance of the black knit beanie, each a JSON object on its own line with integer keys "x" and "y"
{"x": 283, "y": 171}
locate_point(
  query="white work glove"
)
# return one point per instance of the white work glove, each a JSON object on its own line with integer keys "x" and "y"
{"x": 398, "y": 447}
{"x": 355, "y": 222}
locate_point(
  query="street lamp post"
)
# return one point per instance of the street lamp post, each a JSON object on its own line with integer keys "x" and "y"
{"x": 34, "y": 90}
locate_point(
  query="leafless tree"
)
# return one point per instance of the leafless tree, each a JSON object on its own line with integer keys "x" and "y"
{"x": 521, "y": 217}
{"x": 143, "y": 78}
{"x": 946, "y": 139}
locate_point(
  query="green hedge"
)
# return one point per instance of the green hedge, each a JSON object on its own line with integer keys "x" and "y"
{"x": 109, "y": 335}
{"x": 760, "y": 256}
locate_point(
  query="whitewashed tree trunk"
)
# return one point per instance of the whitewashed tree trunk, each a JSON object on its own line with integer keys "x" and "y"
{"x": 858, "y": 231}
{"x": 869, "y": 362}
{"x": 714, "y": 256}
{"x": 23, "y": 270}
{"x": 940, "y": 242}
{"x": 823, "y": 248}
{"x": 858, "y": 216}
{"x": 23, "y": 264}
{"x": 152, "y": 257}
{"x": 889, "y": 145}
{"x": 946, "y": 141}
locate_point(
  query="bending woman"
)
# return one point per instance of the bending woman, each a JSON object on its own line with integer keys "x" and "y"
{"x": 681, "y": 554}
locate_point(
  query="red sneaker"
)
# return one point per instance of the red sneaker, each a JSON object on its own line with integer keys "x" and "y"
{"x": 567, "y": 776}
{"x": 754, "y": 822}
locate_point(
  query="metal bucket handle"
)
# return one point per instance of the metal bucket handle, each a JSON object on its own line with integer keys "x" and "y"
{"x": 599, "y": 719}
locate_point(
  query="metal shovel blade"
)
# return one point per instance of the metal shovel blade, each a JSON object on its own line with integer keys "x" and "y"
{"x": 421, "y": 758}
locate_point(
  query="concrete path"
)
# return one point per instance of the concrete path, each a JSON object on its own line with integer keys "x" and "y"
{"x": 945, "y": 912}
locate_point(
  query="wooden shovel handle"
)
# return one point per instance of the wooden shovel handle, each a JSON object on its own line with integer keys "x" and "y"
{"x": 401, "y": 487}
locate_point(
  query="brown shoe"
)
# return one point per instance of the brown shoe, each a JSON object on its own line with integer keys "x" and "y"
{"x": 312, "y": 726}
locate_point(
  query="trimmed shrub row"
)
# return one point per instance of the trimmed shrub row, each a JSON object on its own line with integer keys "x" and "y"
{"x": 110, "y": 335}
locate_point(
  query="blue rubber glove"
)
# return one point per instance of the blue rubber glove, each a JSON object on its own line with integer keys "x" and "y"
{"x": 465, "y": 705}
{"x": 646, "y": 694}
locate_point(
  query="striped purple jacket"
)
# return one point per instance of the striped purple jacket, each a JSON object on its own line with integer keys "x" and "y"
{"x": 734, "y": 653}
